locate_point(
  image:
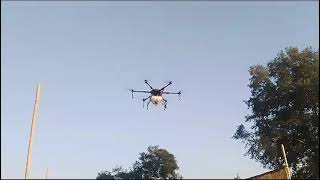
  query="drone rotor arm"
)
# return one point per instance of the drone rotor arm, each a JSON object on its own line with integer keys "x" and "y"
{"x": 140, "y": 91}
{"x": 145, "y": 81}
{"x": 179, "y": 93}
{"x": 166, "y": 85}
{"x": 133, "y": 91}
{"x": 164, "y": 92}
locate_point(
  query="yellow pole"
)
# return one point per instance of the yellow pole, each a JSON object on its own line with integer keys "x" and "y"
{"x": 284, "y": 155}
{"x": 33, "y": 124}
{"x": 285, "y": 160}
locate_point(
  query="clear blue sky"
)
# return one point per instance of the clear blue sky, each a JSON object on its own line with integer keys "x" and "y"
{"x": 86, "y": 55}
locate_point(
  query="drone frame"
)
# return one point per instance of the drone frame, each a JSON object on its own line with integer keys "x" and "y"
{"x": 161, "y": 92}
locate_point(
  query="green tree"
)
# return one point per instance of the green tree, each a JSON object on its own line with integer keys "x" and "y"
{"x": 153, "y": 164}
{"x": 118, "y": 173}
{"x": 285, "y": 110}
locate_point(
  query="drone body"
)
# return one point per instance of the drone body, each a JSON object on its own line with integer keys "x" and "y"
{"x": 156, "y": 95}
{"x": 156, "y": 99}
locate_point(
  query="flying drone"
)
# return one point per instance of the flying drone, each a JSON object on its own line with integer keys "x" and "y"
{"x": 156, "y": 95}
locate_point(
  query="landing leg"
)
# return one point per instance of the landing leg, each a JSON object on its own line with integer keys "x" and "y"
{"x": 145, "y": 100}
{"x": 148, "y": 103}
{"x": 165, "y": 104}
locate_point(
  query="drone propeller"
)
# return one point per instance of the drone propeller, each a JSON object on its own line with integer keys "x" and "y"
{"x": 179, "y": 93}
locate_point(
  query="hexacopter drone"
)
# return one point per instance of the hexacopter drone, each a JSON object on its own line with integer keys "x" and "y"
{"x": 156, "y": 95}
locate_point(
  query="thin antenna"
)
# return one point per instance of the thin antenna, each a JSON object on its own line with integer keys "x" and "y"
{"x": 33, "y": 124}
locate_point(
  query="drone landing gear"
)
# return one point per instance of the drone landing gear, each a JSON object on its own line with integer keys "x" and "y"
{"x": 165, "y": 104}
{"x": 148, "y": 101}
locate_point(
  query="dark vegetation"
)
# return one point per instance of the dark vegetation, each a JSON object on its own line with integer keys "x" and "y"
{"x": 153, "y": 164}
{"x": 285, "y": 110}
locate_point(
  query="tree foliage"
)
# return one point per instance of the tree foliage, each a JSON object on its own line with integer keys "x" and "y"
{"x": 285, "y": 110}
{"x": 154, "y": 164}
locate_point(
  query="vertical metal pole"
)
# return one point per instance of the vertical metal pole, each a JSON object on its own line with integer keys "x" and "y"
{"x": 285, "y": 159}
{"x": 33, "y": 124}
{"x": 47, "y": 173}
{"x": 284, "y": 155}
